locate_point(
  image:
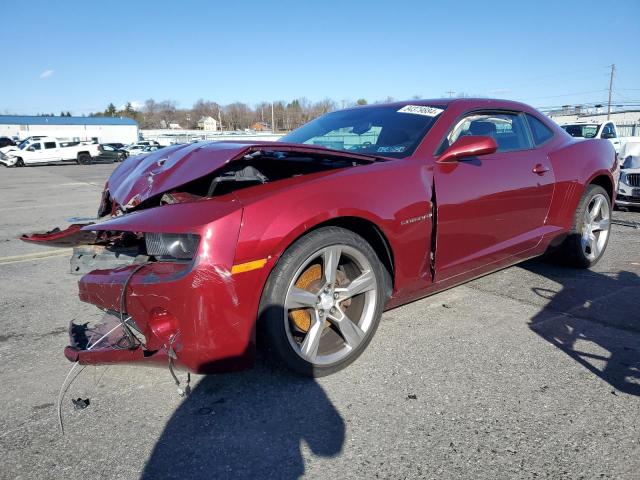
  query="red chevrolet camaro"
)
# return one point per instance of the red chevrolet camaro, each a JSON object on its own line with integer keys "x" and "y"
{"x": 203, "y": 251}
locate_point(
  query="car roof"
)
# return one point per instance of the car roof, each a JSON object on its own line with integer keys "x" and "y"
{"x": 467, "y": 103}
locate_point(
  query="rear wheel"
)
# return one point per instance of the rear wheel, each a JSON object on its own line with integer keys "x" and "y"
{"x": 323, "y": 301}
{"x": 84, "y": 159}
{"x": 589, "y": 235}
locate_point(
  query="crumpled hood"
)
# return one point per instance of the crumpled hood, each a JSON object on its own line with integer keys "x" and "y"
{"x": 144, "y": 176}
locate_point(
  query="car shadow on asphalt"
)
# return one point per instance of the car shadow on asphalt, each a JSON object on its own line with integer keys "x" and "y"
{"x": 247, "y": 425}
{"x": 594, "y": 319}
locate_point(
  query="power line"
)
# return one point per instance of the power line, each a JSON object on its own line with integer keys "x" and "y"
{"x": 569, "y": 94}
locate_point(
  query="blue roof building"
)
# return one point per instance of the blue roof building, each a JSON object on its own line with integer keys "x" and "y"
{"x": 40, "y": 120}
{"x": 95, "y": 129}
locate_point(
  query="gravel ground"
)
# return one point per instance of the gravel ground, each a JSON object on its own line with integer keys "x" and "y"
{"x": 532, "y": 372}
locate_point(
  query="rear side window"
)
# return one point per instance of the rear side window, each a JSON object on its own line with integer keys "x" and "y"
{"x": 49, "y": 145}
{"x": 507, "y": 129}
{"x": 540, "y": 132}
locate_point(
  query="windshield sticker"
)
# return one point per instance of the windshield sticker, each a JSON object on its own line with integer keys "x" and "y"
{"x": 421, "y": 110}
{"x": 396, "y": 149}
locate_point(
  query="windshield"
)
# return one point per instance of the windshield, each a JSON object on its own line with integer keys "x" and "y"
{"x": 388, "y": 131}
{"x": 23, "y": 144}
{"x": 582, "y": 131}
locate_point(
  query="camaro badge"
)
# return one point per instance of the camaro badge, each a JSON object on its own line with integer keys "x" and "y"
{"x": 415, "y": 219}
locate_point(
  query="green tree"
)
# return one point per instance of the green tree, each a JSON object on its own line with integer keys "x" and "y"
{"x": 129, "y": 111}
{"x": 111, "y": 110}
{"x": 361, "y": 101}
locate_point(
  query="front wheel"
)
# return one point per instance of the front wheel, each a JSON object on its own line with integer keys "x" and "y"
{"x": 589, "y": 235}
{"x": 323, "y": 301}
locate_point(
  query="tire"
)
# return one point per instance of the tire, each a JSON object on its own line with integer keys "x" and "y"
{"x": 589, "y": 235}
{"x": 19, "y": 162}
{"x": 84, "y": 159}
{"x": 316, "y": 325}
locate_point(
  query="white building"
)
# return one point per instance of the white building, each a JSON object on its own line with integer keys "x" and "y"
{"x": 96, "y": 129}
{"x": 208, "y": 124}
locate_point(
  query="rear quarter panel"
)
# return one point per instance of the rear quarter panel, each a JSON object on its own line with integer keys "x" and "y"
{"x": 576, "y": 164}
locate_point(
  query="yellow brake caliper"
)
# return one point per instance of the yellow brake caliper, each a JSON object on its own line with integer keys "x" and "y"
{"x": 301, "y": 317}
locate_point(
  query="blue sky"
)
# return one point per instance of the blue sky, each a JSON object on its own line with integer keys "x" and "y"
{"x": 80, "y": 56}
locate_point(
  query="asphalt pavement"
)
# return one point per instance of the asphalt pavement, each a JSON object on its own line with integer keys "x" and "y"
{"x": 531, "y": 372}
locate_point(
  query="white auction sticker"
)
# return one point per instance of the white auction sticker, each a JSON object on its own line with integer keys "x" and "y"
{"x": 421, "y": 110}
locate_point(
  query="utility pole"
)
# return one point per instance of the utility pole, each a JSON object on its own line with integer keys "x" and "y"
{"x": 450, "y": 92}
{"x": 613, "y": 69}
{"x": 273, "y": 121}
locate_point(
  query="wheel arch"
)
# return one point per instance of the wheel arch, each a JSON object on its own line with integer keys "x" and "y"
{"x": 371, "y": 232}
{"x": 364, "y": 227}
{"x": 605, "y": 182}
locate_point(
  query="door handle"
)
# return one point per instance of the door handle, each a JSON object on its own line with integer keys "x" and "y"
{"x": 540, "y": 169}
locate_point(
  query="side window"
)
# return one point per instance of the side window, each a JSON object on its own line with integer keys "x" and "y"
{"x": 36, "y": 146}
{"x": 49, "y": 145}
{"x": 507, "y": 129}
{"x": 540, "y": 132}
{"x": 608, "y": 131}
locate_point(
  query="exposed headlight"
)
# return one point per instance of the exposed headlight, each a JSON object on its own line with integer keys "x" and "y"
{"x": 175, "y": 245}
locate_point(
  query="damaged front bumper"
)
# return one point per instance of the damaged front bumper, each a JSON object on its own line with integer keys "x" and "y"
{"x": 196, "y": 311}
{"x": 109, "y": 342}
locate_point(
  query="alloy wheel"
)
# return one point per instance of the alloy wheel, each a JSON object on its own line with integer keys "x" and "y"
{"x": 596, "y": 226}
{"x": 330, "y": 304}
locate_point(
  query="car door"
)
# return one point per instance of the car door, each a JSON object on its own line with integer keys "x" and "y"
{"x": 609, "y": 133}
{"x": 492, "y": 207}
{"x": 107, "y": 153}
{"x": 51, "y": 152}
{"x": 35, "y": 153}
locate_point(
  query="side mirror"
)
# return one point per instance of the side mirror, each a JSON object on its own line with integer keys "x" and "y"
{"x": 31, "y": 149}
{"x": 607, "y": 135}
{"x": 468, "y": 146}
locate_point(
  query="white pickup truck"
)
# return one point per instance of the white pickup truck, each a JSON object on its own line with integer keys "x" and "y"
{"x": 36, "y": 150}
{"x": 607, "y": 130}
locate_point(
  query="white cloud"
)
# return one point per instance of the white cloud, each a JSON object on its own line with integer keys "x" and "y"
{"x": 46, "y": 74}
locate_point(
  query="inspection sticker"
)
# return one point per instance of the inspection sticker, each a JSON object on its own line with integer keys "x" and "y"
{"x": 421, "y": 110}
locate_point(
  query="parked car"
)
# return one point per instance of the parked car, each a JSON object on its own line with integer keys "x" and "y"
{"x": 151, "y": 148}
{"x": 118, "y": 146}
{"x": 200, "y": 246}
{"x": 110, "y": 153}
{"x": 629, "y": 187}
{"x": 48, "y": 150}
{"x": 134, "y": 149}
{"x": 6, "y": 142}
